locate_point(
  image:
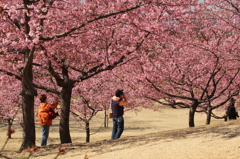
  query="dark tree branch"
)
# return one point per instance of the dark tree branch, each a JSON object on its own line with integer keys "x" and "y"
{"x": 47, "y": 89}
{"x": 98, "y": 69}
{"x": 75, "y": 114}
{"x": 168, "y": 94}
{"x": 50, "y": 69}
{"x": 90, "y": 21}
{"x": 11, "y": 74}
{"x": 173, "y": 104}
{"x": 25, "y": 72}
{"x": 234, "y": 6}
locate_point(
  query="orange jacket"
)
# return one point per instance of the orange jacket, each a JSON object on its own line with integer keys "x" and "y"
{"x": 43, "y": 113}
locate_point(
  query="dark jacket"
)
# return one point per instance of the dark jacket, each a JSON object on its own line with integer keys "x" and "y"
{"x": 116, "y": 109}
{"x": 231, "y": 112}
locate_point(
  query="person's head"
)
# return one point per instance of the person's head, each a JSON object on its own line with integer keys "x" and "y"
{"x": 232, "y": 100}
{"x": 43, "y": 98}
{"x": 119, "y": 93}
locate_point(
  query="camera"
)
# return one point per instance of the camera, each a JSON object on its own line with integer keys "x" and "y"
{"x": 57, "y": 114}
{"x": 122, "y": 92}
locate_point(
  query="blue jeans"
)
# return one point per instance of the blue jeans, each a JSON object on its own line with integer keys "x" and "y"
{"x": 118, "y": 127}
{"x": 45, "y": 133}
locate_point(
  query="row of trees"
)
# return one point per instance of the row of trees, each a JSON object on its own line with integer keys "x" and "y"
{"x": 181, "y": 53}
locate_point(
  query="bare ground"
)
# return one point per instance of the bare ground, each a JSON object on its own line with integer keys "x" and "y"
{"x": 147, "y": 135}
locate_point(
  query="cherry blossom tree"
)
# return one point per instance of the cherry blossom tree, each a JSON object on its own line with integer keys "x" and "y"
{"x": 101, "y": 49}
{"x": 55, "y": 45}
{"x": 17, "y": 57}
{"x": 189, "y": 81}
{"x": 93, "y": 96}
{"x": 40, "y": 40}
{"x": 193, "y": 65}
{"x": 10, "y": 108}
{"x": 84, "y": 110}
{"x": 31, "y": 30}
{"x": 226, "y": 33}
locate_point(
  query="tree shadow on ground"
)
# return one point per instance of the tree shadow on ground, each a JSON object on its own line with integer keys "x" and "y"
{"x": 225, "y": 130}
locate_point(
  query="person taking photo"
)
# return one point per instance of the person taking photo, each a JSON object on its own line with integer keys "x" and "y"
{"x": 117, "y": 105}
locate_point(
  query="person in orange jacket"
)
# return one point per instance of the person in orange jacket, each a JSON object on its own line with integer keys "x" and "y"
{"x": 43, "y": 118}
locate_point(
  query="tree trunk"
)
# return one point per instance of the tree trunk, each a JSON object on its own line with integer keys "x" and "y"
{"x": 65, "y": 98}
{"x": 209, "y": 112}
{"x": 105, "y": 119}
{"x": 225, "y": 118}
{"x": 28, "y": 125}
{"x": 87, "y": 131}
{"x": 10, "y": 121}
{"x": 191, "y": 115}
{"x": 28, "y": 93}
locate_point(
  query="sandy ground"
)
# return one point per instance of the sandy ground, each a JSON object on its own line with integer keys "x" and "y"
{"x": 147, "y": 135}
